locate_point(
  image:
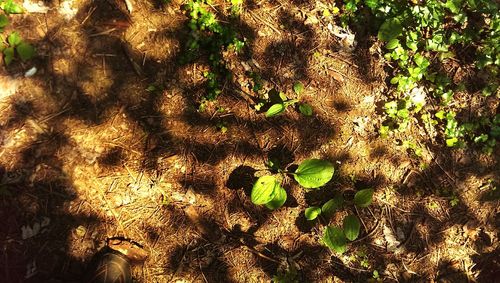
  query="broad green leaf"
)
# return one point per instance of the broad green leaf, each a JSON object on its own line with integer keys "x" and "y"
{"x": 4, "y": 21}
{"x": 351, "y": 227}
{"x": 25, "y": 50}
{"x": 276, "y": 109}
{"x": 9, "y": 7}
{"x": 264, "y": 189}
{"x": 334, "y": 238}
{"x": 332, "y": 205}
{"x": 14, "y": 39}
{"x": 298, "y": 87}
{"x": 314, "y": 173}
{"x": 2, "y": 46}
{"x": 363, "y": 198}
{"x": 393, "y": 43}
{"x": 305, "y": 109}
{"x": 390, "y": 29}
{"x": 8, "y": 55}
{"x": 312, "y": 212}
{"x": 278, "y": 200}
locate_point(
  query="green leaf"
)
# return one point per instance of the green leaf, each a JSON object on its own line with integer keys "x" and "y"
{"x": 4, "y": 21}
{"x": 25, "y": 50}
{"x": 332, "y": 205}
{"x": 9, "y": 7}
{"x": 264, "y": 190}
{"x": 393, "y": 43}
{"x": 305, "y": 109}
{"x": 390, "y": 29}
{"x": 312, "y": 212}
{"x": 276, "y": 109}
{"x": 8, "y": 55}
{"x": 363, "y": 198}
{"x": 334, "y": 238}
{"x": 278, "y": 200}
{"x": 14, "y": 39}
{"x": 298, "y": 87}
{"x": 351, "y": 227}
{"x": 314, "y": 173}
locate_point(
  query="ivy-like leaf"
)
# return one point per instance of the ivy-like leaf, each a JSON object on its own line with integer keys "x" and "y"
{"x": 298, "y": 87}
{"x": 363, "y": 198}
{"x": 25, "y": 50}
{"x": 312, "y": 212}
{"x": 335, "y": 239}
{"x": 393, "y": 43}
{"x": 305, "y": 109}
{"x": 278, "y": 200}
{"x": 264, "y": 190}
{"x": 390, "y": 29}
{"x": 314, "y": 173}
{"x": 276, "y": 109}
{"x": 9, "y": 7}
{"x": 351, "y": 227}
{"x": 329, "y": 208}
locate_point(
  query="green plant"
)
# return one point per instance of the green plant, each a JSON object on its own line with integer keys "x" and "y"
{"x": 208, "y": 36}
{"x": 311, "y": 174}
{"x": 10, "y": 7}
{"x": 280, "y": 102}
{"x": 336, "y": 238}
{"x": 420, "y": 36}
{"x": 16, "y": 45}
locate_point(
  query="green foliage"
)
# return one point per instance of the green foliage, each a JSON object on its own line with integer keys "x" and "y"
{"x": 276, "y": 109}
{"x": 419, "y": 35}
{"x": 209, "y": 37}
{"x": 305, "y": 109}
{"x": 314, "y": 173}
{"x": 312, "y": 212}
{"x": 264, "y": 190}
{"x": 10, "y": 7}
{"x": 278, "y": 200}
{"x": 298, "y": 87}
{"x": 351, "y": 227}
{"x": 329, "y": 208}
{"x": 267, "y": 189}
{"x": 14, "y": 43}
{"x": 363, "y": 198}
{"x": 334, "y": 238}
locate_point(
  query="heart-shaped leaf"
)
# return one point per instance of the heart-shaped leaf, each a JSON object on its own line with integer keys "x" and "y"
{"x": 329, "y": 208}
{"x": 276, "y": 109}
{"x": 264, "y": 190}
{"x": 351, "y": 227}
{"x": 314, "y": 173}
{"x": 334, "y": 238}
{"x": 278, "y": 200}
{"x": 363, "y": 198}
{"x": 312, "y": 212}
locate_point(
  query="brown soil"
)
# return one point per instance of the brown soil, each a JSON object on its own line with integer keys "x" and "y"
{"x": 84, "y": 144}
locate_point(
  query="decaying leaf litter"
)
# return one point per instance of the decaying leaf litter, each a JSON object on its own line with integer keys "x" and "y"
{"x": 106, "y": 139}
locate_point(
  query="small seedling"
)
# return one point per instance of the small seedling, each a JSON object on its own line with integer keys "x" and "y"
{"x": 16, "y": 45}
{"x": 311, "y": 174}
{"x": 336, "y": 238}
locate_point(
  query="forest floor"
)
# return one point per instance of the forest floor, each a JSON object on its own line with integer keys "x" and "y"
{"x": 89, "y": 149}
